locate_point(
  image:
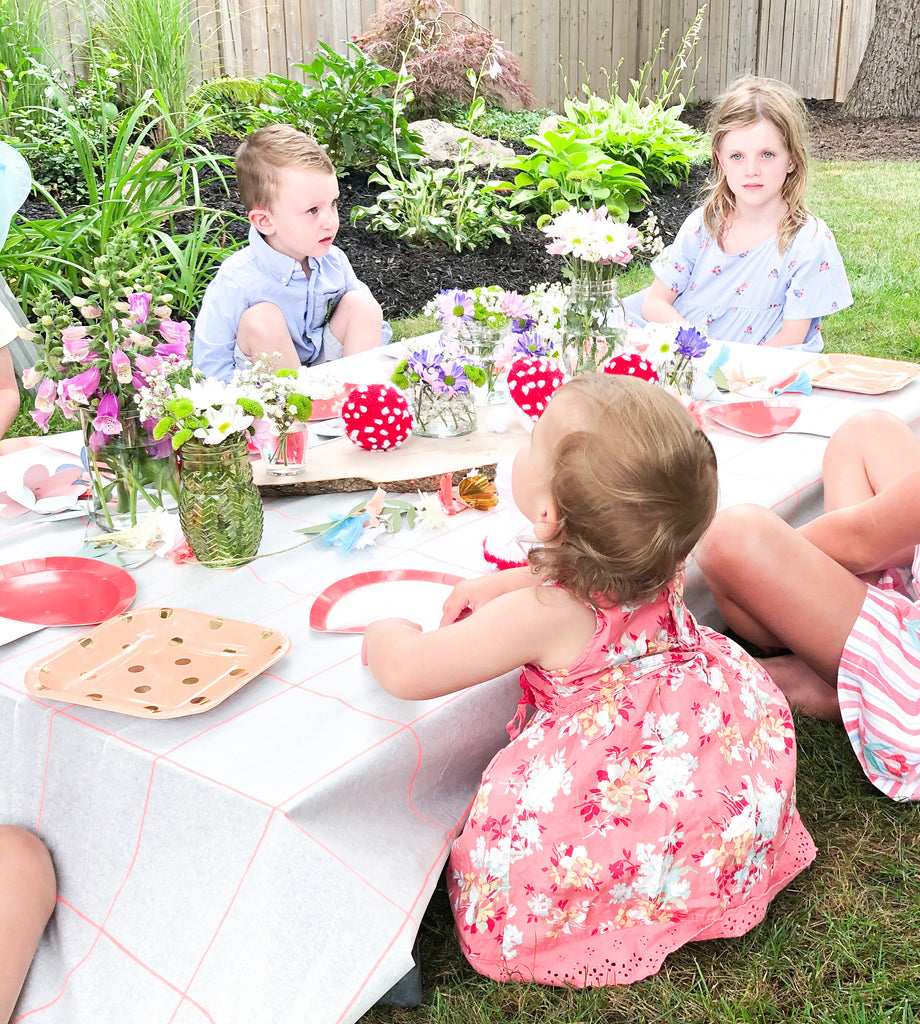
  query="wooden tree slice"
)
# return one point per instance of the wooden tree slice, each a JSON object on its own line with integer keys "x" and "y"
{"x": 418, "y": 464}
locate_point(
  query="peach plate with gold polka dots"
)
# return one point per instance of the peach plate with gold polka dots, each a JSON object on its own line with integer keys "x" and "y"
{"x": 158, "y": 662}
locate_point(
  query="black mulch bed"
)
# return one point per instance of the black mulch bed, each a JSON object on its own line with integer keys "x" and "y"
{"x": 404, "y": 278}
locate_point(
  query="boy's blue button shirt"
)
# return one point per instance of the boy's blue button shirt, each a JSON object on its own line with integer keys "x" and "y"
{"x": 259, "y": 273}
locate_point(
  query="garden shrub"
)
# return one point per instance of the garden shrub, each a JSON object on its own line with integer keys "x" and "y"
{"x": 651, "y": 137}
{"x": 438, "y": 45}
{"x": 353, "y": 108}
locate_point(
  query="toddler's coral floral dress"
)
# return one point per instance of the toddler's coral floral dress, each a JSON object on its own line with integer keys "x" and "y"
{"x": 650, "y": 801}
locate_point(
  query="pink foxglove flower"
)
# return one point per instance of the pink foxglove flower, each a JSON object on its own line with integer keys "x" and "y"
{"x": 80, "y": 389}
{"x": 31, "y": 377}
{"x": 139, "y": 304}
{"x": 45, "y": 396}
{"x": 76, "y": 350}
{"x": 121, "y": 367}
{"x": 106, "y": 423}
{"x": 176, "y": 332}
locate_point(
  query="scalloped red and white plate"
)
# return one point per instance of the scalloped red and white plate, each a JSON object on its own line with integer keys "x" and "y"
{"x": 323, "y": 620}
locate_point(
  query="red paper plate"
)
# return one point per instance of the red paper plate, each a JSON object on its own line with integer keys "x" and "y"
{"x": 319, "y": 613}
{"x": 757, "y": 419}
{"x": 64, "y": 591}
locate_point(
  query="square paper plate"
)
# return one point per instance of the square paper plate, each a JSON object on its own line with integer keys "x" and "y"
{"x": 158, "y": 663}
{"x": 863, "y": 375}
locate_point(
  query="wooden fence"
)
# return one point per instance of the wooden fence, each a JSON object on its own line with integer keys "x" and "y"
{"x": 814, "y": 45}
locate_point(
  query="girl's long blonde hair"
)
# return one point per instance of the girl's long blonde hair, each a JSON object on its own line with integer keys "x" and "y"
{"x": 747, "y": 101}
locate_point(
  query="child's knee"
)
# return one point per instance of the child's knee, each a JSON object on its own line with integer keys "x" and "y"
{"x": 25, "y": 858}
{"x": 734, "y": 537}
{"x": 357, "y": 309}
{"x": 259, "y": 324}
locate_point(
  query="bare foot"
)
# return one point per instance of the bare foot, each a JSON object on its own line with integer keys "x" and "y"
{"x": 803, "y": 688}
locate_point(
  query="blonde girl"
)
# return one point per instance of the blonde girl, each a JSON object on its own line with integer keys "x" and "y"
{"x": 650, "y": 800}
{"x": 752, "y": 264}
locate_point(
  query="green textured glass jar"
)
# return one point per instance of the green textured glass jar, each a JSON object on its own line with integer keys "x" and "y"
{"x": 220, "y": 508}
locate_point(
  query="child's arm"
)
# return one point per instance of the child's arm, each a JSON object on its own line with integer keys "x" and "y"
{"x": 658, "y": 306}
{"x": 542, "y": 625}
{"x": 471, "y": 595}
{"x": 791, "y": 333}
{"x": 873, "y": 534}
{"x": 9, "y": 391}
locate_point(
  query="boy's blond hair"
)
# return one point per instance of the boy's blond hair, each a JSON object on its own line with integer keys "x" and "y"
{"x": 747, "y": 101}
{"x": 269, "y": 150}
{"x": 633, "y": 493}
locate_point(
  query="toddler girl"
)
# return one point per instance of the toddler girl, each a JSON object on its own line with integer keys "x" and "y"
{"x": 650, "y": 800}
{"x": 752, "y": 264}
{"x": 838, "y": 593}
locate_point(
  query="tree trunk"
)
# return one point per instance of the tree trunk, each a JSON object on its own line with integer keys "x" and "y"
{"x": 888, "y": 81}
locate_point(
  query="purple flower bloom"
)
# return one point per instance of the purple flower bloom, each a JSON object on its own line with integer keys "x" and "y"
{"x": 690, "y": 343}
{"x": 529, "y": 343}
{"x": 80, "y": 389}
{"x": 454, "y": 382}
{"x": 454, "y": 308}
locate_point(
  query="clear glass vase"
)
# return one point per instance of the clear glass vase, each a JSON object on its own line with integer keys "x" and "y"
{"x": 130, "y": 475}
{"x": 481, "y": 342}
{"x": 285, "y": 455}
{"x": 593, "y": 325}
{"x": 678, "y": 376}
{"x": 439, "y": 415}
{"x": 220, "y": 508}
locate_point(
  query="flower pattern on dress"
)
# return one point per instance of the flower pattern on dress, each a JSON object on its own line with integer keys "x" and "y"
{"x": 650, "y": 795}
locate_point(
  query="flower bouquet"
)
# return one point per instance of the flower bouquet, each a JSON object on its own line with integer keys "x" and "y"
{"x": 595, "y": 249}
{"x": 209, "y": 422}
{"x": 282, "y": 433}
{"x": 439, "y": 382}
{"x": 94, "y": 369}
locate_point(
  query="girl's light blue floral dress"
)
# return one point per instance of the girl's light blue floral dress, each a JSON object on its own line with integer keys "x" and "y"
{"x": 745, "y": 297}
{"x": 650, "y": 801}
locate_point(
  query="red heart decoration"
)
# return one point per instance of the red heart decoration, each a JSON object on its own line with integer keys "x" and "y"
{"x": 631, "y": 364}
{"x": 376, "y": 417}
{"x": 532, "y": 382}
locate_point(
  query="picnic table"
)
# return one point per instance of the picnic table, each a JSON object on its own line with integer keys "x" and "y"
{"x": 270, "y": 859}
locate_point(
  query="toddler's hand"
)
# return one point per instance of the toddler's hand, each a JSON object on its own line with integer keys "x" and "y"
{"x": 470, "y": 595}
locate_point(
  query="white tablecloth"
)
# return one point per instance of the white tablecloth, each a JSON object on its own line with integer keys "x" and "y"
{"x": 271, "y": 859}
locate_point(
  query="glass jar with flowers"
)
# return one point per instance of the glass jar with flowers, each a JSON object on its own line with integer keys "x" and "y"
{"x": 208, "y": 422}
{"x": 480, "y": 320}
{"x": 439, "y": 382}
{"x": 93, "y": 370}
{"x": 677, "y": 371}
{"x": 595, "y": 248}
{"x": 282, "y": 431}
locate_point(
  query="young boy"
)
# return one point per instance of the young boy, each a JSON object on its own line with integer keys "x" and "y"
{"x": 290, "y": 290}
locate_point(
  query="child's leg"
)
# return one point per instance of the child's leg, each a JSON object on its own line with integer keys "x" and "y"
{"x": 357, "y": 322}
{"x": 865, "y": 455}
{"x": 775, "y": 588}
{"x": 27, "y": 895}
{"x": 263, "y": 332}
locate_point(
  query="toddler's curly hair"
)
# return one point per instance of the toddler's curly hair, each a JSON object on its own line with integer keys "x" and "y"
{"x": 633, "y": 492}
{"x": 267, "y": 151}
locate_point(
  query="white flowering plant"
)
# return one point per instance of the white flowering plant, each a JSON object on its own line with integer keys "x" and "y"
{"x": 593, "y": 245}
{"x": 258, "y": 402}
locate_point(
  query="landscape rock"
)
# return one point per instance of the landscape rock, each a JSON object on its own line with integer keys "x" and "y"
{"x": 440, "y": 143}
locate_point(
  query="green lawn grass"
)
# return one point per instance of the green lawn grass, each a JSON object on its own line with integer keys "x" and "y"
{"x": 840, "y": 944}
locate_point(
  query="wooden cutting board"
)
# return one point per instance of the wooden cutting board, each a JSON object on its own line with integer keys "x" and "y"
{"x": 418, "y": 464}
